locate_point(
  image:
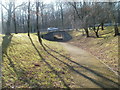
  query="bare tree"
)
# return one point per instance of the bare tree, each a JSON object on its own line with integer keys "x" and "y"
{"x": 82, "y": 14}
{"x": 62, "y": 17}
{"x": 28, "y": 18}
{"x": 37, "y": 23}
{"x": 95, "y": 19}
{"x": 113, "y": 16}
{"x": 42, "y": 16}
{"x": 10, "y": 9}
{"x": 14, "y": 19}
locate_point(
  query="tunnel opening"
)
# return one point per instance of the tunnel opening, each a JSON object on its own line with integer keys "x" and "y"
{"x": 58, "y": 36}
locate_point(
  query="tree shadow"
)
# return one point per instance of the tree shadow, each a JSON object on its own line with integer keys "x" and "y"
{"x": 19, "y": 73}
{"x": 5, "y": 43}
{"x": 50, "y": 36}
{"x": 86, "y": 68}
{"x": 22, "y": 74}
{"x": 52, "y": 68}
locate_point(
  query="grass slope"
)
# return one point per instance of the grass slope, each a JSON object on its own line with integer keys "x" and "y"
{"x": 27, "y": 65}
{"x": 105, "y": 47}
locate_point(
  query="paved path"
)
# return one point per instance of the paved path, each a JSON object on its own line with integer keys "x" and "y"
{"x": 89, "y": 72}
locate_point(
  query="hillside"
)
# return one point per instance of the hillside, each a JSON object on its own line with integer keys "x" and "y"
{"x": 104, "y": 48}
{"x": 27, "y": 65}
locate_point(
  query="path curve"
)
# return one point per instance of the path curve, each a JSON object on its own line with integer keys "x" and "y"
{"x": 92, "y": 73}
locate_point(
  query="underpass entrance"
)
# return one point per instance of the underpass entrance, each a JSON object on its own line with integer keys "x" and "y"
{"x": 60, "y": 36}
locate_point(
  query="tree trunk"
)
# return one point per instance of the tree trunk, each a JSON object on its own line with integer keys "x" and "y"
{"x": 87, "y": 32}
{"x": 94, "y": 28}
{"x": 102, "y": 26}
{"x": 8, "y": 23}
{"x": 29, "y": 18}
{"x": 62, "y": 18}
{"x": 14, "y": 19}
{"x": 15, "y": 24}
{"x": 96, "y": 33}
{"x": 9, "y": 18}
{"x": 8, "y": 27}
{"x": 37, "y": 26}
{"x": 39, "y": 37}
{"x": 116, "y": 30}
{"x": 23, "y": 25}
{"x": 42, "y": 16}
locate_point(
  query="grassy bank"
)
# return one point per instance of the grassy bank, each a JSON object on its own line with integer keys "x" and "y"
{"x": 105, "y": 48}
{"x": 27, "y": 65}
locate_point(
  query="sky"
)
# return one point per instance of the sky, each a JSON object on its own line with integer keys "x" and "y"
{"x": 18, "y": 2}
{"x": 49, "y": 1}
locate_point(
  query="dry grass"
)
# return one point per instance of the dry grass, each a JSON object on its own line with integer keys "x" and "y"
{"x": 27, "y": 65}
{"x": 105, "y": 48}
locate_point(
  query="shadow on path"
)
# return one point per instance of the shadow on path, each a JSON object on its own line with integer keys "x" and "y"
{"x": 88, "y": 69}
{"x": 54, "y": 71}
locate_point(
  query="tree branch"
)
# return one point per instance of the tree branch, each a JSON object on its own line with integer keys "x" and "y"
{"x": 75, "y": 8}
{"x": 4, "y": 6}
{"x": 18, "y": 6}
